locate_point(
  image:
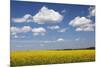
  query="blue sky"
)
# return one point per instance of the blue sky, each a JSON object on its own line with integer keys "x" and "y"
{"x": 36, "y": 25}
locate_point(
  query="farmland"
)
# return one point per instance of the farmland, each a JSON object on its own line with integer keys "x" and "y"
{"x": 38, "y": 57}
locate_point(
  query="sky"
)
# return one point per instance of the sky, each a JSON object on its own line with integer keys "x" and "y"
{"x": 37, "y": 26}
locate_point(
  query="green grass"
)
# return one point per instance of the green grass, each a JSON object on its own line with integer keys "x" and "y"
{"x": 22, "y": 58}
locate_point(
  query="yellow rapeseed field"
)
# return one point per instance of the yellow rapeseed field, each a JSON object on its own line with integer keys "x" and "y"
{"x": 38, "y": 57}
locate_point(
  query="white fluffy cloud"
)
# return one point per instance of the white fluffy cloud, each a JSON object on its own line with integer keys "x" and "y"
{"x": 26, "y": 18}
{"x": 39, "y": 31}
{"x": 15, "y": 30}
{"x": 25, "y": 29}
{"x": 53, "y": 27}
{"x": 57, "y": 28}
{"x": 62, "y": 30}
{"x": 46, "y": 15}
{"x": 60, "y": 39}
{"x": 79, "y": 21}
{"x": 88, "y": 27}
{"x": 82, "y": 24}
{"x": 91, "y": 11}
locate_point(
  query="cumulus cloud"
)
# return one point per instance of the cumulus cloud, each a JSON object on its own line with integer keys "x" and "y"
{"x": 46, "y": 15}
{"x": 88, "y": 27}
{"x": 78, "y": 21}
{"x": 15, "y": 30}
{"x": 26, "y": 29}
{"x": 39, "y": 31}
{"x": 57, "y": 28}
{"x": 25, "y": 18}
{"x": 60, "y": 39}
{"x": 82, "y": 24}
{"x": 53, "y": 27}
{"x": 91, "y": 11}
{"x": 62, "y": 30}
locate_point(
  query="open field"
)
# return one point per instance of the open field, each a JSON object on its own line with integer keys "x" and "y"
{"x": 36, "y": 57}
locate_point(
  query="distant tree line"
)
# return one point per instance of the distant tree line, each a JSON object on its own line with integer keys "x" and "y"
{"x": 78, "y": 48}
